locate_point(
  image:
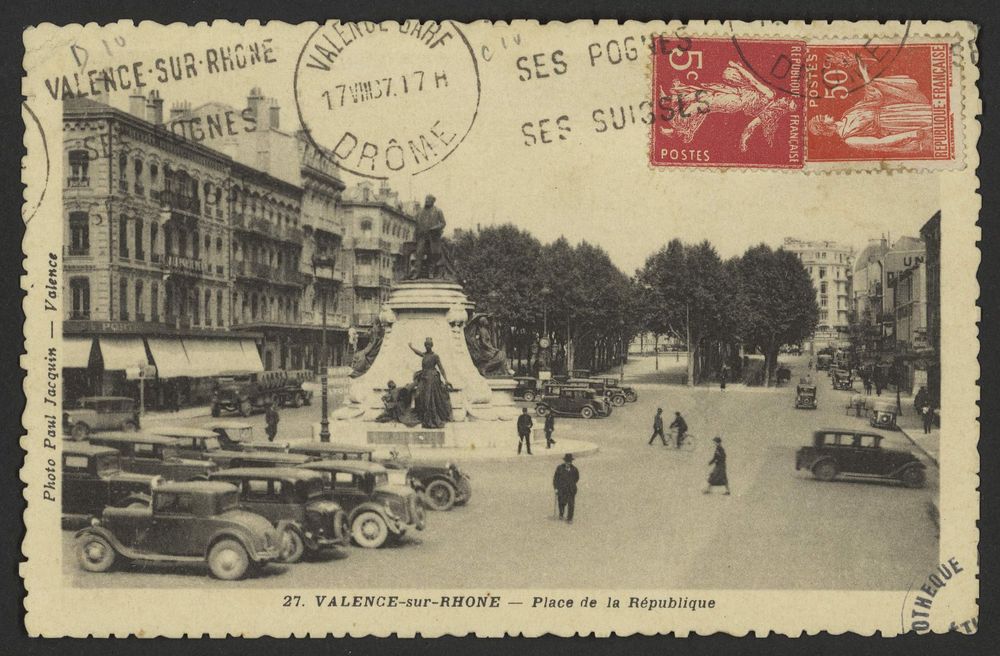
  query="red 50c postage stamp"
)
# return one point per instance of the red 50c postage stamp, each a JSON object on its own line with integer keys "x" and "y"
{"x": 872, "y": 102}
{"x": 714, "y": 104}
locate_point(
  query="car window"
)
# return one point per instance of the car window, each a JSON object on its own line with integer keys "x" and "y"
{"x": 144, "y": 450}
{"x": 343, "y": 479}
{"x": 88, "y": 405}
{"x": 831, "y": 439}
{"x": 212, "y": 444}
{"x": 256, "y": 489}
{"x": 75, "y": 462}
{"x": 108, "y": 464}
{"x": 869, "y": 441}
{"x": 174, "y": 503}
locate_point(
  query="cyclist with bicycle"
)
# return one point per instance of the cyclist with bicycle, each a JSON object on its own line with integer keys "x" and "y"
{"x": 681, "y": 427}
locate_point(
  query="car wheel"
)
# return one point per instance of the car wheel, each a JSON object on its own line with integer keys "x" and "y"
{"x": 529, "y": 396}
{"x": 94, "y": 553}
{"x": 618, "y": 401}
{"x": 631, "y": 397}
{"x": 129, "y": 427}
{"x": 542, "y": 409}
{"x": 297, "y": 401}
{"x": 369, "y": 530}
{"x": 228, "y": 560}
{"x": 587, "y": 412}
{"x": 81, "y": 431}
{"x": 245, "y": 408}
{"x": 825, "y": 471}
{"x": 914, "y": 477}
{"x": 292, "y": 546}
{"x": 440, "y": 495}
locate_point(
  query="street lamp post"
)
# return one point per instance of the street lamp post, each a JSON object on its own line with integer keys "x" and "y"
{"x": 544, "y": 292}
{"x": 324, "y": 422}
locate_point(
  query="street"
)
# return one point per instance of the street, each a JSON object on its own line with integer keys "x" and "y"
{"x": 642, "y": 519}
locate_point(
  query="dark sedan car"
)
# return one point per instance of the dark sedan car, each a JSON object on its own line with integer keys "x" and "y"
{"x": 145, "y": 453}
{"x": 574, "y": 402}
{"x": 294, "y": 500}
{"x": 93, "y": 480}
{"x": 836, "y": 452}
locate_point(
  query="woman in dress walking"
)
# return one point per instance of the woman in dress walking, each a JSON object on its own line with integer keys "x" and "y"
{"x": 718, "y": 477}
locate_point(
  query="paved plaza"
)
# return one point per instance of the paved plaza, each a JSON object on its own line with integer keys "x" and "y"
{"x": 642, "y": 519}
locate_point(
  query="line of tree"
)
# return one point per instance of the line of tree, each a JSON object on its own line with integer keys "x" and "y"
{"x": 572, "y": 294}
{"x": 759, "y": 301}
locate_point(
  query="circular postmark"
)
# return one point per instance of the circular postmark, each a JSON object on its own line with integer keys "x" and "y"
{"x": 34, "y": 141}
{"x": 944, "y": 600}
{"x": 386, "y": 99}
{"x": 875, "y": 56}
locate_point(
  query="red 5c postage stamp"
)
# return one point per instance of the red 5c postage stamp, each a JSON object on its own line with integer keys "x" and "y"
{"x": 871, "y": 102}
{"x": 717, "y": 104}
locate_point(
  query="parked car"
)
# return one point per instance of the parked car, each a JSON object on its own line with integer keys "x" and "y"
{"x": 630, "y": 394}
{"x": 190, "y": 522}
{"x": 805, "y": 396}
{"x": 377, "y": 509}
{"x": 882, "y": 414}
{"x": 145, "y": 453}
{"x": 823, "y": 361}
{"x": 835, "y": 452}
{"x": 441, "y": 486}
{"x": 842, "y": 380}
{"x": 97, "y": 413}
{"x": 244, "y": 392}
{"x": 294, "y": 500}
{"x": 574, "y": 402}
{"x": 333, "y": 450}
{"x": 235, "y": 435}
{"x": 613, "y": 395}
{"x": 93, "y": 479}
{"x": 201, "y": 444}
{"x": 526, "y": 389}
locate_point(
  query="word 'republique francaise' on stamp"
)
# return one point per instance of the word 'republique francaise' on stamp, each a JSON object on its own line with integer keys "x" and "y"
{"x": 428, "y": 328}
{"x": 770, "y": 103}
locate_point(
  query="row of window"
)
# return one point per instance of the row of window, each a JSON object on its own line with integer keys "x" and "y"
{"x": 257, "y": 306}
{"x": 175, "y": 241}
{"x": 134, "y": 297}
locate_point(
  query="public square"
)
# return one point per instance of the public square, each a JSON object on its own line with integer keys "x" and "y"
{"x": 642, "y": 520}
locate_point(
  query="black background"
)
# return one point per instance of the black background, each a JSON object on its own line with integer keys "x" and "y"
{"x": 18, "y": 15}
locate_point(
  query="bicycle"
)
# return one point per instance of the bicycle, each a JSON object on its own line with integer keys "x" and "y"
{"x": 687, "y": 445}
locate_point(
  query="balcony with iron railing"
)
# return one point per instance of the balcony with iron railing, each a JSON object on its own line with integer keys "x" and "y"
{"x": 366, "y": 280}
{"x": 333, "y": 319}
{"x": 77, "y": 251}
{"x": 77, "y": 181}
{"x": 176, "y": 201}
{"x": 371, "y": 243}
{"x": 263, "y": 272}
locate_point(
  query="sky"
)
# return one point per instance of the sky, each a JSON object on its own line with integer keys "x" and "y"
{"x": 596, "y": 186}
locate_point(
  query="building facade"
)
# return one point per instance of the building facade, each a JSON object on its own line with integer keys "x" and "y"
{"x": 931, "y": 235}
{"x": 147, "y": 260}
{"x": 830, "y": 266}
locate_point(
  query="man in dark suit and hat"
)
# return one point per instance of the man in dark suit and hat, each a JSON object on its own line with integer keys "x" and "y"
{"x": 564, "y": 481}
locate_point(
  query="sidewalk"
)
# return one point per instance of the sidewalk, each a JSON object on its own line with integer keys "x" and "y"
{"x": 912, "y": 426}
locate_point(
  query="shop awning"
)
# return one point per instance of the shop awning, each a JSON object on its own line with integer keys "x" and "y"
{"x": 120, "y": 353}
{"x": 170, "y": 358}
{"x": 211, "y": 357}
{"x": 76, "y": 352}
{"x": 251, "y": 357}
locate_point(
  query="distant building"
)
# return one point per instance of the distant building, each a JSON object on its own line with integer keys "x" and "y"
{"x": 905, "y": 253}
{"x": 931, "y": 234}
{"x": 830, "y": 266}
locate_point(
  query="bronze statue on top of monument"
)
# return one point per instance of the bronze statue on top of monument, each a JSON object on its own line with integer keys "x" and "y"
{"x": 431, "y": 259}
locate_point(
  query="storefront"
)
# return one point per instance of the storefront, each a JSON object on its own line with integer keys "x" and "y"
{"x": 186, "y": 367}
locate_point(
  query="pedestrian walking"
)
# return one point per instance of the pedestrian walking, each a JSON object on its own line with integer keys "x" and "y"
{"x": 681, "y": 427}
{"x": 928, "y": 415}
{"x": 564, "y": 481}
{"x": 723, "y": 373}
{"x": 658, "y": 428}
{"x": 868, "y": 385}
{"x": 810, "y": 364}
{"x": 271, "y": 419}
{"x": 717, "y": 477}
{"x": 878, "y": 386}
{"x": 550, "y": 427}
{"x": 524, "y": 425}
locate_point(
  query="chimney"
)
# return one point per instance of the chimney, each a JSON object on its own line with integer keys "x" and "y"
{"x": 137, "y": 105}
{"x": 274, "y": 113}
{"x": 154, "y": 108}
{"x": 254, "y": 101}
{"x": 179, "y": 109}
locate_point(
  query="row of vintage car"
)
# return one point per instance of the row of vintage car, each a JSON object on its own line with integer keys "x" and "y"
{"x": 182, "y": 494}
{"x": 588, "y": 398}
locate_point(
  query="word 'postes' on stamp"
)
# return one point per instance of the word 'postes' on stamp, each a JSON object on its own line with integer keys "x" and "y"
{"x": 861, "y": 107}
{"x": 384, "y": 99}
{"x": 711, "y": 108}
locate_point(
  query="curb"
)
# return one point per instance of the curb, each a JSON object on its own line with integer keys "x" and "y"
{"x": 920, "y": 448}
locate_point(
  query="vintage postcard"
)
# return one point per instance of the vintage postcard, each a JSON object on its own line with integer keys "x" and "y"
{"x": 372, "y": 328}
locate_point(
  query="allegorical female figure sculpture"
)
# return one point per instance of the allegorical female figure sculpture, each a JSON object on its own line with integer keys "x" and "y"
{"x": 364, "y": 358}
{"x": 490, "y": 360}
{"x": 431, "y": 399}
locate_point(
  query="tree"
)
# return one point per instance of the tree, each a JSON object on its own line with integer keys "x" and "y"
{"x": 776, "y": 302}
{"x": 690, "y": 294}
